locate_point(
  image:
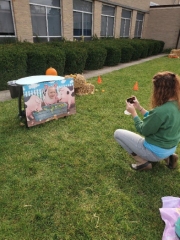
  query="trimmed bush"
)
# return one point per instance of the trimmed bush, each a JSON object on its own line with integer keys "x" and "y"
{"x": 27, "y": 59}
{"x": 161, "y": 46}
{"x": 96, "y": 57}
{"x": 144, "y": 45}
{"x": 12, "y": 64}
{"x": 42, "y": 56}
{"x": 126, "y": 53}
{"x": 157, "y": 47}
{"x": 75, "y": 54}
{"x": 150, "y": 47}
{"x": 56, "y": 58}
{"x": 137, "y": 49}
{"x": 36, "y": 62}
{"x": 75, "y": 59}
{"x": 113, "y": 55}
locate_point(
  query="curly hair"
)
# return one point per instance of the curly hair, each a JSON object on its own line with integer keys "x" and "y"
{"x": 166, "y": 86}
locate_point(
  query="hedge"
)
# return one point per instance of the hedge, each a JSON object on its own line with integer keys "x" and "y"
{"x": 113, "y": 56}
{"x": 96, "y": 57}
{"x": 75, "y": 60}
{"x": 41, "y": 56}
{"x": 19, "y": 60}
{"x": 12, "y": 64}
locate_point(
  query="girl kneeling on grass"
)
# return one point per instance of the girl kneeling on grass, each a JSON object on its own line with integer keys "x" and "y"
{"x": 160, "y": 126}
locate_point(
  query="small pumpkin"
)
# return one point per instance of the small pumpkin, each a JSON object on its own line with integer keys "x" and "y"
{"x": 51, "y": 71}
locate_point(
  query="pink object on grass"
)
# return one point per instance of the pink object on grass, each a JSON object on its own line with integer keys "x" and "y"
{"x": 170, "y": 213}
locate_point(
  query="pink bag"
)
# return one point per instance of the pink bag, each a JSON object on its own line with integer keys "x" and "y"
{"x": 170, "y": 213}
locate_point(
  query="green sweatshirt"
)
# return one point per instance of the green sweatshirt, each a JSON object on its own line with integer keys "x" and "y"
{"x": 162, "y": 126}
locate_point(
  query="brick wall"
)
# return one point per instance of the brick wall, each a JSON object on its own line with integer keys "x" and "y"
{"x": 117, "y": 22}
{"x": 159, "y": 23}
{"x": 97, "y": 18}
{"x": 137, "y": 4}
{"x": 163, "y": 24}
{"x": 22, "y": 19}
{"x": 67, "y": 19}
{"x": 23, "y": 24}
{"x": 166, "y": 2}
{"x": 133, "y": 24}
{"x": 120, "y": 4}
{"x": 144, "y": 27}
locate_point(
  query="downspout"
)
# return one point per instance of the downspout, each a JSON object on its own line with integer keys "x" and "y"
{"x": 178, "y": 39}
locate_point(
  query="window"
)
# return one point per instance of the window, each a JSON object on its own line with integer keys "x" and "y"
{"x": 125, "y": 23}
{"x": 46, "y": 19}
{"x": 139, "y": 24}
{"x": 107, "y": 21}
{"x": 6, "y": 20}
{"x": 82, "y": 19}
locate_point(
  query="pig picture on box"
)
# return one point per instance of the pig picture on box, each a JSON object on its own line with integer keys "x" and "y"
{"x": 46, "y": 101}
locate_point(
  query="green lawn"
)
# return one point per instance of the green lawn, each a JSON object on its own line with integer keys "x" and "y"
{"x": 68, "y": 179}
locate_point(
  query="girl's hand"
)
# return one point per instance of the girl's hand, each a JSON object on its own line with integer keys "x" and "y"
{"x": 130, "y": 108}
{"x": 136, "y": 103}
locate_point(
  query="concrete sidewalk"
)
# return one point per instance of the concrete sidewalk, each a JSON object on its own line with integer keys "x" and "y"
{"x": 5, "y": 95}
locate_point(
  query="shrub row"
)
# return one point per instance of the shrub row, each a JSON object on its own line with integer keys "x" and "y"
{"x": 18, "y": 59}
{"x": 13, "y": 64}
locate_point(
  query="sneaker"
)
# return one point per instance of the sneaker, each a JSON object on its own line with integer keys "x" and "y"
{"x": 171, "y": 161}
{"x": 144, "y": 166}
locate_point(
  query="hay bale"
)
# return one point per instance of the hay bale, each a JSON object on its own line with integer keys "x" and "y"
{"x": 79, "y": 80}
{"x": 175, "y": 52}
{"x": 172, "y": 55}
{"x": 87, "y": 88}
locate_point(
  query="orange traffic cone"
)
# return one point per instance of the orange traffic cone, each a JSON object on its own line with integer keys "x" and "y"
{"x": 99, "y": 80}
{"x": 135, "y": 87}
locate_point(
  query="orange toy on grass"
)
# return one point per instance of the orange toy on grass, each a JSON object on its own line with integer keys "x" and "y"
{"x": 99, "y": 80}
{"x": 135, "y": 87}
{"x": 51, "y": 71}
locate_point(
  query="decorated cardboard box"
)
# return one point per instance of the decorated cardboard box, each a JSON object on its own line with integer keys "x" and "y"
{"x": 45, "y": 101}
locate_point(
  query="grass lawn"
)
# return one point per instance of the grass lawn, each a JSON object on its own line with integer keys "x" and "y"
{"x": 68, "y": 179}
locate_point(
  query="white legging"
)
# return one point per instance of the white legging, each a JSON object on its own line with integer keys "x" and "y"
{"x": 133, "y": 143}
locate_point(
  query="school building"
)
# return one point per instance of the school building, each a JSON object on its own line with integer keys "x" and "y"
{"x": 47, "y": 20}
